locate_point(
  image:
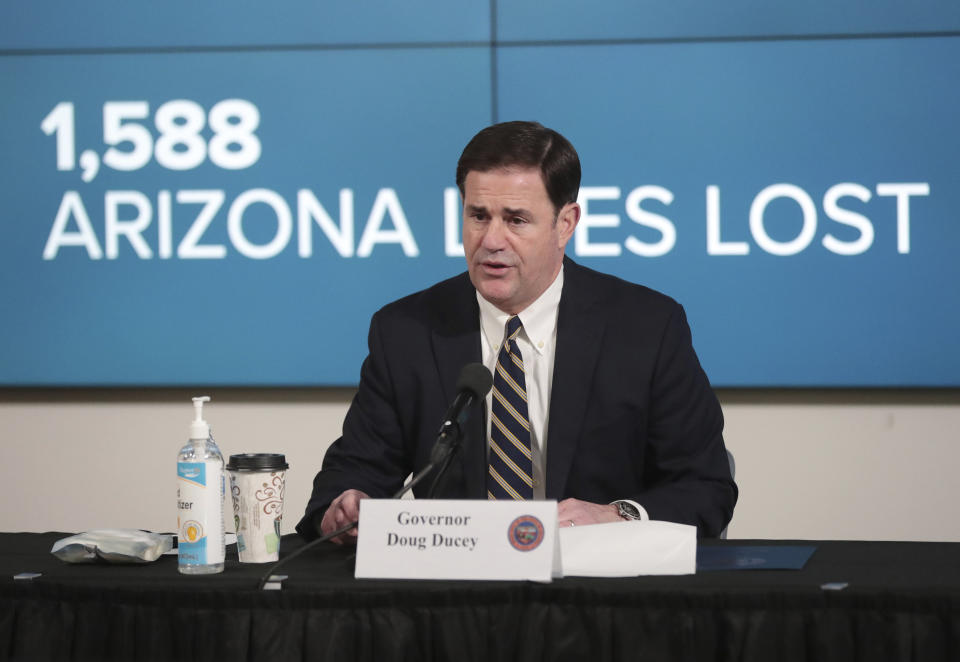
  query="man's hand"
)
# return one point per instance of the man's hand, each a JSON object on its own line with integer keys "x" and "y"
{"x": 343, "y": 510}
{"x": 573, "y": 512}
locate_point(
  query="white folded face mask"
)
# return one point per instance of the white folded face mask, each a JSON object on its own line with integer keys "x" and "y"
{"x": 113, "y": 546}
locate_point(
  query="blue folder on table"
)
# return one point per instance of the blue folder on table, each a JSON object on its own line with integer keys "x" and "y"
{"x": 753, "y": 557}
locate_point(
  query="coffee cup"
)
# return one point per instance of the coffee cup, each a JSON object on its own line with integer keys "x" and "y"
{"x": 256, "y": 485}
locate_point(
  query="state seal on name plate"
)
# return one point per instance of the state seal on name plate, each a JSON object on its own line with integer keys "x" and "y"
{"x": 525, "y": 533}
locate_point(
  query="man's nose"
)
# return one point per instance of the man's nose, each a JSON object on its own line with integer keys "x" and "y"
{"x": 495, "y": 235}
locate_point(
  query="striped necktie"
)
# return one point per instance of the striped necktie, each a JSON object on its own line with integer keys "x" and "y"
{"x": 510, "y": 474}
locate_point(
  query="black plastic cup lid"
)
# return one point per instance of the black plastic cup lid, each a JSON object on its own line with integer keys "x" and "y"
{"x": 257, "y": 462}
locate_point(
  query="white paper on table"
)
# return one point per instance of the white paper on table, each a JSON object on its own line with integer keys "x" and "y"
{"x": 628, "y": 549}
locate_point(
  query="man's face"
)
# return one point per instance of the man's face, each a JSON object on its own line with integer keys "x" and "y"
{"x": 512, "y": 239}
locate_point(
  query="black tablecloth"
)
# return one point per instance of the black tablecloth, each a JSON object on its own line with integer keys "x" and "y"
{"x": 902, "y": 602}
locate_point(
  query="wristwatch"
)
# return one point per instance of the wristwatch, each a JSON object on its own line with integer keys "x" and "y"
{"x": 627, "y": 510}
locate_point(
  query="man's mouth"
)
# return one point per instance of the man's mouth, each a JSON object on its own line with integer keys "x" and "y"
{"x": 493, "y": 267}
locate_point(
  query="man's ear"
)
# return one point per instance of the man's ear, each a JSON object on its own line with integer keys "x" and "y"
{"x": 567, "y": 221}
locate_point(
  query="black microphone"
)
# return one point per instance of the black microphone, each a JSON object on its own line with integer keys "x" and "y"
{"x": 473, "y": 384}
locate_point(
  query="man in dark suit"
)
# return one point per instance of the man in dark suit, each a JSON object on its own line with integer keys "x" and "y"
{"x": 598, "y": 401}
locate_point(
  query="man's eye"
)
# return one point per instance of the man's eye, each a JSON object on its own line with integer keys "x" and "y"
{"x": 518, "y": 220}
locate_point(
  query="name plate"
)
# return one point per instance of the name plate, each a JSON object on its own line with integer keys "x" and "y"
{"x": 454, "y": 539}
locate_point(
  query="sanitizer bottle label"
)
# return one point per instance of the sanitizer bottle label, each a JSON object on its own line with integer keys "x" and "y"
{"x": 200, "y": 509}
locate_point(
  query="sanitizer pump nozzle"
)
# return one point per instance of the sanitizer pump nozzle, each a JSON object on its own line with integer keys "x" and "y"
{"x": 199, "y": 428}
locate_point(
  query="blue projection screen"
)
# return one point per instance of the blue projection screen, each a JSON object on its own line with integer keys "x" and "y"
{"x": 227, "y": 202}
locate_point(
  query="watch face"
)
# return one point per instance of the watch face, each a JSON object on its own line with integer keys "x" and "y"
{"x": 628, "y": 510}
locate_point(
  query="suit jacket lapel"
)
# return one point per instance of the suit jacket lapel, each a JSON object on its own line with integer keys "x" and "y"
{"x": 456, "y": 342}
{"x": 580, "y": 327}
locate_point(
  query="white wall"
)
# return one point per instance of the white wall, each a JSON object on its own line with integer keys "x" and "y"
{"x": 810, "y": 464}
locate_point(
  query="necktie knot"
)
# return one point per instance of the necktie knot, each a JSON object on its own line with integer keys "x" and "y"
{"x": 513, "y": 327}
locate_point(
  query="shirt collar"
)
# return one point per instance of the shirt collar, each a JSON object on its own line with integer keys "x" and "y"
{"x": 539, "y": 318}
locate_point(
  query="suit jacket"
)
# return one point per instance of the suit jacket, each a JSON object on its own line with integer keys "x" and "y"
{"x": 632, "y": 414}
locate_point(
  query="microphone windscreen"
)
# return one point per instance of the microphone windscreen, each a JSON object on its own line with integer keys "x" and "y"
{"x": 475, "y": 378}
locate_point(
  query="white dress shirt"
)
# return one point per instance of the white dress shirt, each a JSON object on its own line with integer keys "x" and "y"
{"x": 537, "y": 343}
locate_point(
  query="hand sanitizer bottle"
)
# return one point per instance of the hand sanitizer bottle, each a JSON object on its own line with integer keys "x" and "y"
{"x": 200, "y": 492}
